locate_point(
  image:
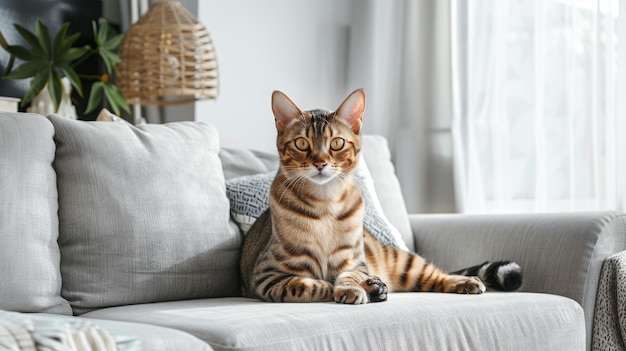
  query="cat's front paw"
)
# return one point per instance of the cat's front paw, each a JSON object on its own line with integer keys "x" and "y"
{"x": 351, "y": 294}
{"x": 376, "y": 289}
{"x": 468, "y": 285}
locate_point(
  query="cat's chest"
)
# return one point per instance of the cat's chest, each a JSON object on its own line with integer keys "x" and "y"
{"x": 328, "y": 230}
{"x": 331, "y": 237}
{"x": 332, "y": 244}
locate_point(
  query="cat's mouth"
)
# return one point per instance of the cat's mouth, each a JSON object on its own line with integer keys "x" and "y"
{"x": 321, "y": 177}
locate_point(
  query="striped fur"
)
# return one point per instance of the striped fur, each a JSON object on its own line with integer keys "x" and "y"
{"x": 310, "y": 244}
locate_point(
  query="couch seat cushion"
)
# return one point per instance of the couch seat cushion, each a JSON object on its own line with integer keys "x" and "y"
{"x": 407, "y": 321}
{"x": 143, "y": 214}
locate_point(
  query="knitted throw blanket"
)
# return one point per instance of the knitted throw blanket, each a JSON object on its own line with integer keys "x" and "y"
{"x": 25, "y": 332}
{"x": 609, "y": 321}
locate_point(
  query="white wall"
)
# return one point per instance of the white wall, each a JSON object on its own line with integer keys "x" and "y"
{"x": 298, "y": 47}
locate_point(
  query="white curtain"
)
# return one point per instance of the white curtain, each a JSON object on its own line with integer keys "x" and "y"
{"x": 536, "y": 105}
{"x": 400, "y": 54}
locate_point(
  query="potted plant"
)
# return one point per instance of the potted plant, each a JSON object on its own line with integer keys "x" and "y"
{"x": 46, "y": 61}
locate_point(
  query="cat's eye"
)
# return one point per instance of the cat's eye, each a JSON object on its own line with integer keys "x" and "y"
{"x": 337, "y": 144}
{"x": 301, "y": 144}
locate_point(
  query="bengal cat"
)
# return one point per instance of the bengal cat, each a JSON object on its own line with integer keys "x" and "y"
{"x": 310, "y": 245}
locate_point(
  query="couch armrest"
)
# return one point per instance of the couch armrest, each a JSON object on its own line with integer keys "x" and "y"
{"x": 559, "y": 253}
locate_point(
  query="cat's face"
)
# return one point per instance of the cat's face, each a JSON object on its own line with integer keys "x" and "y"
{"x": 318, "y": 145}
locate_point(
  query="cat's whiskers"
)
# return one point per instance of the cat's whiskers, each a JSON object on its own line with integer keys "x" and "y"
{"x": 290, "y": 183}
{"x": 344, "y": 176}
{"x": 303, "y": 181}
{"x": 300, "y": 182}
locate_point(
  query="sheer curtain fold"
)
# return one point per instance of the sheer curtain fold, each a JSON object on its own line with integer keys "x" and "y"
{"x": 400, "y": 54}
{"x": 535, "y": 107}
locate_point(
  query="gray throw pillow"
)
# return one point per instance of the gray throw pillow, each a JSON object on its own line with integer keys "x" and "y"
{"x": 143, "y": 214}
{"x": 29, "y": 254}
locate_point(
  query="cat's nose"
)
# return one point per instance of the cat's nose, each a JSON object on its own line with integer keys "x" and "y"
{"x": 320, "y": 165}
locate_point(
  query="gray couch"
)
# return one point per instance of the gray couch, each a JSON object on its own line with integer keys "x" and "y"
{"x": 129, "y": 228}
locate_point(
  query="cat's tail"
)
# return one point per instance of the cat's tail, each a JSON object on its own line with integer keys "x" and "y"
{"x": 499, "y": 275}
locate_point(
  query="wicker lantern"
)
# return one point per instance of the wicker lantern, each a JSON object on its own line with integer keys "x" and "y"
{"x": 167, "y": 57}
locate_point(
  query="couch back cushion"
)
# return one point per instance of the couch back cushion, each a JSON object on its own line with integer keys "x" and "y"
{"x": 143, "y": 214}
{"x": 378, "y": 158}
{"x": 30, "y": 280}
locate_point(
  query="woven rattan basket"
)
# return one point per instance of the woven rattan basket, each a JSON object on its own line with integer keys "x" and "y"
{"x": 167, "y": 57}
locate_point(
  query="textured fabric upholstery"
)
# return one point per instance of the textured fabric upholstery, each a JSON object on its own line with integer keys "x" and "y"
{"x": 242, "y": 162}
{"x": 29, "y": 254}
{"x": 407, "y": 321}
{"x": 143, "y": 214}
{"x": 559, "y": 254}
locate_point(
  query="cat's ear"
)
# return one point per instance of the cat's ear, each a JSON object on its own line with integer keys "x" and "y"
{"x": 285, "y": 110}
{"x": 351, "y": 110}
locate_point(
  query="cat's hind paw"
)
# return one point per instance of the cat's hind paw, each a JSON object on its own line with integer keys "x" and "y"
{"x": 468, "y": 285}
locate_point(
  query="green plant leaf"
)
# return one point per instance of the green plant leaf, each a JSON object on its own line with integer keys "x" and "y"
{"x": 115, "y": 98}
{"x": 95, "y": 96}
{"x": 94, "y": 29}
{"x": 74, "y": 79}
{"x": 20, "y": 52}
{"x": 67, "y": 43}
{"x": 111, "y": 98}
{"x": 113, "y": 43}
{"x": 55, "y": 88}
{"x": 43, "y": 37}
{"x": 58, "y": 41}
{"x": 105, "y": 46}
{"x": 102, "y": 33}
{"x": 9, "y": 66}
{"x": 73, "y": 54}
{"x": 31, "y": 39}
{"x": 28, "y": 69}
{"x": 3, "y": 42}
{"x": 110, "y": 59}
{"x": 36, "y": 85}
